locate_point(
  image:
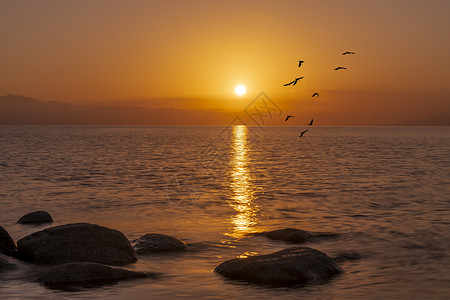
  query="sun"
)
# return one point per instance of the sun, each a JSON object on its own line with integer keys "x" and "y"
{"x": 240, "y": 89}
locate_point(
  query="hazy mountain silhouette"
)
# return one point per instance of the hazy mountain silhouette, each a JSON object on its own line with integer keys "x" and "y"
{"x": 20, "y": 110}
{"x": 438, "y": 120}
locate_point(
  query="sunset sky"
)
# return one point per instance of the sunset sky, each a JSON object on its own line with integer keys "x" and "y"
{"x": 191, "y": 54}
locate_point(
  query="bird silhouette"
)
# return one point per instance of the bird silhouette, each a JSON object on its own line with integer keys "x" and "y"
{"x": 300, "y": 63}
{"x": 340, "y": 68}
{"x": 287, "y": 117}
{"x": 310, "y": 123}
{"x": 293, "y": 82}
{"x": 315, "y": 94}
{"x": 348, "y": 52}
{"x": 302, "y": 133}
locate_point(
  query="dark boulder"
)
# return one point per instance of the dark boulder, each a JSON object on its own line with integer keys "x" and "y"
{"x": 87, "y": 273}
{"x": 7, "y": 245}
{"x": 75, "y": 243}
{"x": 154, "y": 242}
{"x": 296, "y": 236}
{"x": 287, "y": 267}
{"x": 37, "y": 217}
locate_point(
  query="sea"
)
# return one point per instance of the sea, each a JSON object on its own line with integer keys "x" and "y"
{"x": 384, "y": 190}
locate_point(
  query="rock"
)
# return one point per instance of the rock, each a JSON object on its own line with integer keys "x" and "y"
{"x": 87, "y": 273}
{"x": 155, "y": 242}
{"x": 7, "y": 244}
{"x": 37, "y": 217}
{"x": 289, "y": 235}
{"x": 75, "y": 243}
{"x": 6, "y": 262}
{"x": 296, "y": 236}
{"x": 287, "y": 267}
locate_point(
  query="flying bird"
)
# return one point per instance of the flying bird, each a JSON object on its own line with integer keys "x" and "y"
{"x": 287, "y": 118}
{"x": 302, "y": 133}
{"x": 300, "y": 63}
{"x": 340, "y": 68}
{"x": 293, "y": 82}
{"x": 310, "y": 123}
{"x": 315, "y": 94}
{"x": 348, "y": 52}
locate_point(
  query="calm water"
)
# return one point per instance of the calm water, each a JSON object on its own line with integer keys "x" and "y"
{"x": 386, "y": 189}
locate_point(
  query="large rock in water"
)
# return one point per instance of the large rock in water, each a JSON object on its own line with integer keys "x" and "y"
{"x": 284, "y": 268}
{"x": 37, "y": 217}
{"x": 75, "y": 243}
{"x": 87, "y": 273}
{"x": 296, "y": 236}
{"x": 7, "y": 245}
{"x": 154, "y": 242}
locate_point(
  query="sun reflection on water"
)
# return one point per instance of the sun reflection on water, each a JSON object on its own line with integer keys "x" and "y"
{"x": 241, "y": 185}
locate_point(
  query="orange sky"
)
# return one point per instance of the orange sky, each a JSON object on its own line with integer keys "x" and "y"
{"x": 191, "y": 54}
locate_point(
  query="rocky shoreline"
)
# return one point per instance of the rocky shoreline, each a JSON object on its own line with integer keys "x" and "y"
{"x": 83, "y": 253}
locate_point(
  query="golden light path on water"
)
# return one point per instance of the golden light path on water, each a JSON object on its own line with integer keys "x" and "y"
{"x": 241, "y": 185}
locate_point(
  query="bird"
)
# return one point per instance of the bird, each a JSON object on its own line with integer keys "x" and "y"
{"x": 287, "y": 117}
{"x": 315, "y": 94}
{"x": 310, "y": 123}
{"x": 302, "y": 133}
{"x": 300, "y": 63}
{"x": 297, "y": 79}
{"x": 348, "y": 52}
{"x": 293, "y": 82}
{"x": 340, "y": 68}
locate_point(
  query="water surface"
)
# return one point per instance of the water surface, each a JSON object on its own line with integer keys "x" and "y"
{"x": 385, "y": 189}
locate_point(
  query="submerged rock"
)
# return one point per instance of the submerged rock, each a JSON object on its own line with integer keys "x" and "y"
{"x": 37, "y": 217}
{"x": 6, "y": 262}
{"x": 75, "y": 243}
{"x": 284, "y": 268}
{"x": 7, "y": 244}
{"x": 296, "y": 236}
{"x": 88, "y": 273}
{"x": 154, "y": 242}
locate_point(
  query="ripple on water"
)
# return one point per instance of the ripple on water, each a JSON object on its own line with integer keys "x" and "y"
{"x": 384, "y": 189}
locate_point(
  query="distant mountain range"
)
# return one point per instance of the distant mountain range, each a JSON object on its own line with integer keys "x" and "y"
{"x": 440, "y": 120}
{"x": 20, "y": 110}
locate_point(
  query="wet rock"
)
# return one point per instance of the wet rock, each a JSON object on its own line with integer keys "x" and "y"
{"x": 88, "y": 273}
{"x": 6, "y": 261}
{"x": 296, "y": 236}
{"x": 154, "y": 242}
{"x": 76, "y": 243}
{"x": 7, "y": 244}
{"x": 287, "y": 267}
{"x": 289, "y": 235}
{"x": 37, "y": 217}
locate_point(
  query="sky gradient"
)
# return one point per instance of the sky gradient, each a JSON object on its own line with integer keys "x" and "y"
{"x": 189, "y": 55}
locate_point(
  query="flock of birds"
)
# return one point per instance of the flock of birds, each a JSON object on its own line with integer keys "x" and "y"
{"x": 294, "y": 82}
